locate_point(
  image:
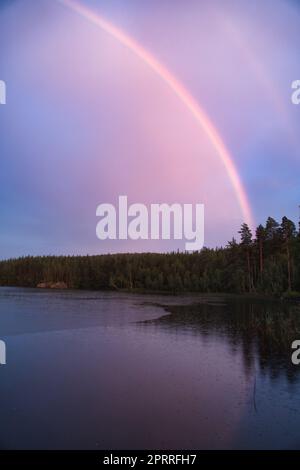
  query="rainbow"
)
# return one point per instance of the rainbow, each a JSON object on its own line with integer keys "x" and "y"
{"x": 182, "y": 93}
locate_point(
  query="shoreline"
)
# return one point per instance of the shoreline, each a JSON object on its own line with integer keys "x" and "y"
{"x": 144, "y": 292}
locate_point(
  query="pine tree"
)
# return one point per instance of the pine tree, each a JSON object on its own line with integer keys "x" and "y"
{"x": 246, "y": 242}
{"x": 260, "y": 237}
{"x": 288, "y": 231}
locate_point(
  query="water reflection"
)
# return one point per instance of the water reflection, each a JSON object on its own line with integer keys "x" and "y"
{"x": 90, "y": 370}
{"x": 262, "y": 330}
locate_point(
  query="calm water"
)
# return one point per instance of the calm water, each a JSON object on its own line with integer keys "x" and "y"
{"x": 115, "y": 371}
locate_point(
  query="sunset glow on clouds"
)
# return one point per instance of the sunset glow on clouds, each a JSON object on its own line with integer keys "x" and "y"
{"x": 87, "y": 120}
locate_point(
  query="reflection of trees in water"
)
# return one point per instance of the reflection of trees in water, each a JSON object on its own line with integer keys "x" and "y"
{"x": 262, "y": 330}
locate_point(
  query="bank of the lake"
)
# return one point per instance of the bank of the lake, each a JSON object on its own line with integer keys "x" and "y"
{"x": 268, "y": 264}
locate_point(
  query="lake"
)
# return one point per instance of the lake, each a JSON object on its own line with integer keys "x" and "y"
{"x": 101, "y": 370}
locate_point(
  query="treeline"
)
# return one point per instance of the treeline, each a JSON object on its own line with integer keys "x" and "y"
{"x": 268, "y": 262}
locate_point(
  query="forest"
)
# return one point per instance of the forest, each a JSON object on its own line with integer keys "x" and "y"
{"x": 267, "y": 262}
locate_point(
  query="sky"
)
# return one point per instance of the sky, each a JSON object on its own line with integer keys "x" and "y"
{"x": 89, "y": 118}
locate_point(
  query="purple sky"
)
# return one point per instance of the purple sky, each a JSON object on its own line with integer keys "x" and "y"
{"x": 86, "y": 120}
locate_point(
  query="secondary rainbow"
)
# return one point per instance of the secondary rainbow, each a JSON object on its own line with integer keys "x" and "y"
{"x": 182, "y": 93}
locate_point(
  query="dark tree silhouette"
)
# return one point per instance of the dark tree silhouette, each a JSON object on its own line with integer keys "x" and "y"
{"x": 268, "y": 264}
